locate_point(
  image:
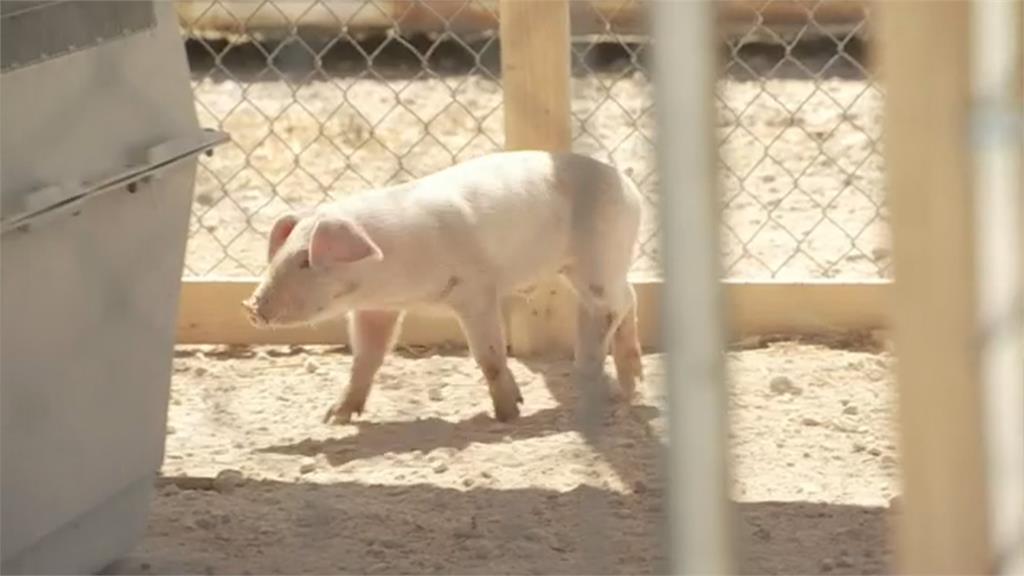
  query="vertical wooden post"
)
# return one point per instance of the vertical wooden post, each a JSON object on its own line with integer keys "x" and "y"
{"x": 926, "y": 53}
{"x": 535, "y": 68}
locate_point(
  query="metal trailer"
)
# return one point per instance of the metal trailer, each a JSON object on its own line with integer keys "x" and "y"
{"x": 99, "y": 145}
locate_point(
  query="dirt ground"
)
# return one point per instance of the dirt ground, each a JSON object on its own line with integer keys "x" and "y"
{"x": 802, "y": 175}
{"x": 427, "y": 482}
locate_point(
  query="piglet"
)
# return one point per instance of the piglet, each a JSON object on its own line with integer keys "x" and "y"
{"x": 464, "y": 237}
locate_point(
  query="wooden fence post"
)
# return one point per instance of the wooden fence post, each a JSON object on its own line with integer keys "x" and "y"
{"x": 943, "y": 528}
{"x": 535, "y": 68}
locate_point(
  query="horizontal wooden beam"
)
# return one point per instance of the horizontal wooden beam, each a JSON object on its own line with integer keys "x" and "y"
{"x": 211, "y": 313}
{"x": 594, "y": 17}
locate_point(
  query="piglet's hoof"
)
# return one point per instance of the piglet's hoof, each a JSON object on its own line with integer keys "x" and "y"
{"x": 507, "y": 411}
{"x": 339, "y": 413}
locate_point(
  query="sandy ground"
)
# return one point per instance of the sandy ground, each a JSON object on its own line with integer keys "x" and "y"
{"x": 802, "y": 173}
{"x": 427, "y": 482}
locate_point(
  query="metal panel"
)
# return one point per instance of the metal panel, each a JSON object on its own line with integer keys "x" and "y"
{"x": 74, "y": 121}
{"x": 51, "y": 200}
{"x": 89, "y": 300}
{"x": 32, "y": 32}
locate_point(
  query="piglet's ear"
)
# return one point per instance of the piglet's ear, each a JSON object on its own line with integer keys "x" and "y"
{"x": 340, "y": 241}
{"x": 279, "y": 233}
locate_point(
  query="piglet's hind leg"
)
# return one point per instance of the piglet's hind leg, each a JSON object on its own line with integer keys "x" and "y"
{"x": 481, "y": 321}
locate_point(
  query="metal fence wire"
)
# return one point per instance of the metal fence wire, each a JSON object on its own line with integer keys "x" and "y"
{"x": 324, "y": 99}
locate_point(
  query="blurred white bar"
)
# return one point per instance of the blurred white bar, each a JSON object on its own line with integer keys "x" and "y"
{"x": 997, "y": 145}
{"x": 700, "y": 513}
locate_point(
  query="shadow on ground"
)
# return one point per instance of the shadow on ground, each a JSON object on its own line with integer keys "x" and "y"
{"x": 274, "y": 527}
{"x": 287, "y": 528}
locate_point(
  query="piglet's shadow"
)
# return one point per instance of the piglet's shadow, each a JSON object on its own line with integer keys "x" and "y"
{"x": 625, "y": 428}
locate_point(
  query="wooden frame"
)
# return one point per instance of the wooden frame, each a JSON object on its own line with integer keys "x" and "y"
{"x": 944, "y": 526}
{"x": 211, "y": 313}
{"x": 590, "y": 17}
{"x": 536, "y": 80}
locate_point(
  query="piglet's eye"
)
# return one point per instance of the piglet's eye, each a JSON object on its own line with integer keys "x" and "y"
{"x": 304, "y": 263}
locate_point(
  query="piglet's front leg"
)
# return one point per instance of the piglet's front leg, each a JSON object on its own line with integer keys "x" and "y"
{"x": 373, "y": 333}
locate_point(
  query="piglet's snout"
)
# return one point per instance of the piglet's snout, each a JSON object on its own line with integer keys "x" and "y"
{"x": 253, "y": 309}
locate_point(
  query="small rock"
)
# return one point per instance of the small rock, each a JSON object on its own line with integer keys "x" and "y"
{"x": 372, "y": 552}
{"x": 486, "y": 474}
{"x": 874, "y": 452}
{"x": 783, "y": 385}
{"x": 810, "y": 422}
{"x": 170, "y": 489}
{"x": 483, "y": 549}
{"x": 843, "y": 562}
{"x": 763, "y": 533}
{"x": 807, "y": 454}
{"x": 748, "y": 343}
{"x": 858, "y": 447}
{"x": 468, "y": 482}
{"x": 307, "y": 467}
{"x": 262, "y": 355}
{"x": 435, "y": 395}
{"x": 534, "y": 535}
{"x": 228, "y": 480}
{"x": 311, "y": 365}
{"x": 826, "y": 565}
{"x": 851, "y": 410}
{"x": 639, "y": 487}
{"x": 880, "y": 253}
{"x": 200, "y": 371}
{"x": 441, "y": 468}
{"x": 808, "y": 488}
{"x": 170, "y": 430}
{"x": 204, "y": 522}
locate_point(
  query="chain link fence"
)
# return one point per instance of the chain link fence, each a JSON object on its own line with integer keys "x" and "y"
{"x": 330, "y": 98}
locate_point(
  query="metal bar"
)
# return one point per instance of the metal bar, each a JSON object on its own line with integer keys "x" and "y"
{"x": 699, "y": 509}
{"x": 998, "y": 123}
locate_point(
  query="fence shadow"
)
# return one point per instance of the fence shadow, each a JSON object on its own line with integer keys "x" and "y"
{"x": 275, "y": 527}
{"x": 817, "y": 59}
